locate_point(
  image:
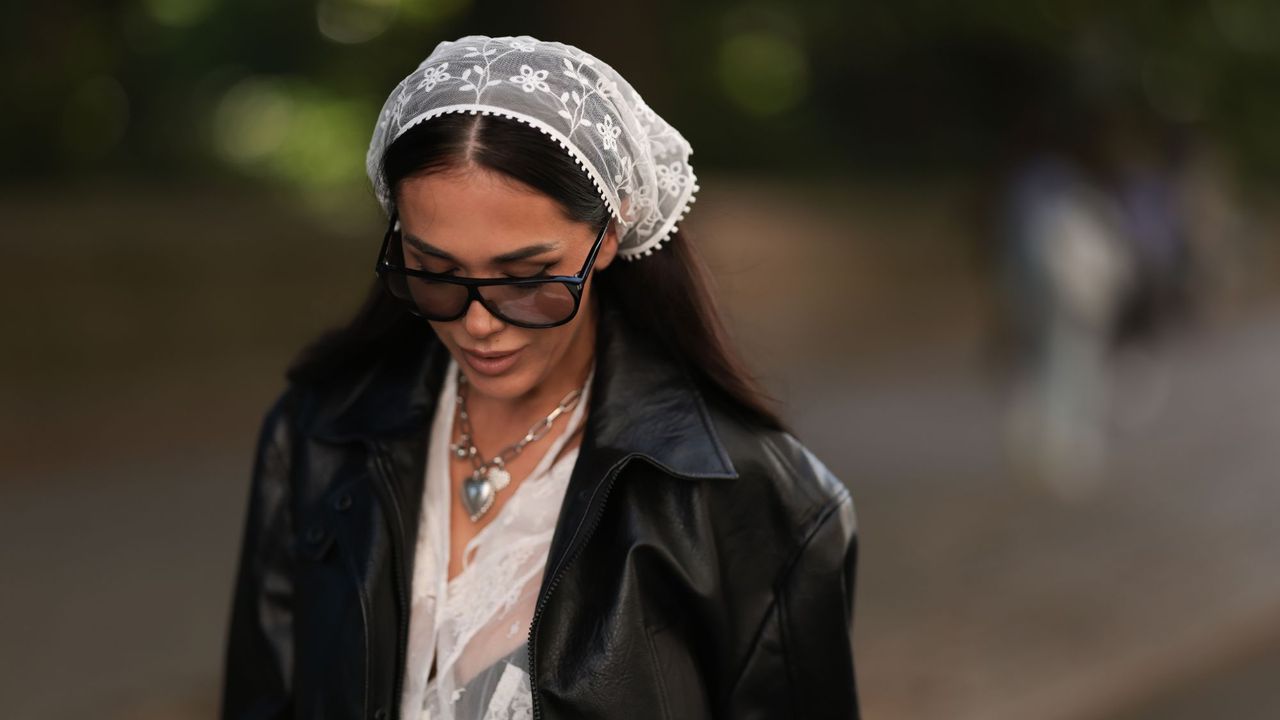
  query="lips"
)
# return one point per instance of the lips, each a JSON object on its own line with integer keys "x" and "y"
{"x": 490, "y": 354}
{"x": 490, "y": 362}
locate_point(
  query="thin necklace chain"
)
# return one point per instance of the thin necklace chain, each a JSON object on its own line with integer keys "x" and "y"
{"x": 465, "y": 447}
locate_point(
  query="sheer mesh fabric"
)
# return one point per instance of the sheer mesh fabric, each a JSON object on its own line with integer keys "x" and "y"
{"x": 475, "y": 627}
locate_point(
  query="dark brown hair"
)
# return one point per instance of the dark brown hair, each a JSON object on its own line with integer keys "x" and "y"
{"x": 666, "y": 296}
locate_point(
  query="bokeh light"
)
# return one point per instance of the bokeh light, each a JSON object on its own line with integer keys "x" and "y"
{"x": 355, "y": 21}
{"x": 252, "y": 120}
{"x": 179, "y": 13}
{"x": 763, "y": 73}
{"x": 292, "y": 131}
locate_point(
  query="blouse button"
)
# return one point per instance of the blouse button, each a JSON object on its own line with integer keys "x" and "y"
{"x": 380, "y": 714}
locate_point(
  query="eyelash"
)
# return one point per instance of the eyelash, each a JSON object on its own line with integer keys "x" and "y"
{"x": 542, "y": 272}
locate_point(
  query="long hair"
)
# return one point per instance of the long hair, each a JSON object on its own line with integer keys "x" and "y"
{"x": 666, "y": 296}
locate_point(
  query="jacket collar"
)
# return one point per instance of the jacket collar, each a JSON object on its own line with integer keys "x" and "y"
{"x": 642, "y": 404}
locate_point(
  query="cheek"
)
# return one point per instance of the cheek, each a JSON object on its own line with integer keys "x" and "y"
{"x": 442, "y": 332}
{"x": 548, "y": 345}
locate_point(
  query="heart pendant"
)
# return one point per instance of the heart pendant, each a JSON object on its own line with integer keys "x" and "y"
{"x": 477, "y": 496}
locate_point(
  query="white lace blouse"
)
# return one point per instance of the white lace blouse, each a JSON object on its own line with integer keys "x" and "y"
{"x": 475, "y": 627}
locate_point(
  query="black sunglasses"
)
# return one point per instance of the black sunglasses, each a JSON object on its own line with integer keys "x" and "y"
{"x": 540, "y": 302}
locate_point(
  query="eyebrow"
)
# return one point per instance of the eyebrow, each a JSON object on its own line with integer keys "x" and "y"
{"x": 508, "y": 257}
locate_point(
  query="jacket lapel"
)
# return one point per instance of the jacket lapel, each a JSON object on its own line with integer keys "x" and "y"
{"x": 642, "y": 406}
{"x": 645, "y": 404}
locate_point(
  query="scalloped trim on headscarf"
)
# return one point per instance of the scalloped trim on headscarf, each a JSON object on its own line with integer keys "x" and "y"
{"x": 655, "y": 243}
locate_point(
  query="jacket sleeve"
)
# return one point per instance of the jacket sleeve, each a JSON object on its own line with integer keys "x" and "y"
{"x": 258, "y": 668}
{"x": 802, "y": 664}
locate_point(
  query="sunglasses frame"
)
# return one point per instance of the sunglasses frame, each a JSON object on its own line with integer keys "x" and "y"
{"x": 574, "y": 283}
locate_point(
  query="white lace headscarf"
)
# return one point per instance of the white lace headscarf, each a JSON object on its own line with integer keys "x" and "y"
{"x": 637, "y": 161}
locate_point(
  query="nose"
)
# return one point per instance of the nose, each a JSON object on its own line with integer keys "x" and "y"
{"x": 479, "y": 322}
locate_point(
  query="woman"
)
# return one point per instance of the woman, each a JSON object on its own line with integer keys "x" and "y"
{"x": 530, "y": 479}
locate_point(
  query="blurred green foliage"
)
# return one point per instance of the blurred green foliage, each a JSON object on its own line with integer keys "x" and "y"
{"x": 288, "y": 90}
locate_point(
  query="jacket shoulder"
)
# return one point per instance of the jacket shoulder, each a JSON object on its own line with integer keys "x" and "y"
{"x": 276, "y": 430}
{"x": 283, "y": 430}
{"x": 287, "y": 416}
{"x": 787, "y": 482}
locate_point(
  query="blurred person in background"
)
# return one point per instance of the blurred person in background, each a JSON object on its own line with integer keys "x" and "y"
{"x": 531, "y": 478}
{"x": 1067, "y": 270}
{"x": 1103, "y": 258}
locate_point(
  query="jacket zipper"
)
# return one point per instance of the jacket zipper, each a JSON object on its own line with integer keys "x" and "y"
{"x": 593, "y": 520}
{"x": 397, "y": 573}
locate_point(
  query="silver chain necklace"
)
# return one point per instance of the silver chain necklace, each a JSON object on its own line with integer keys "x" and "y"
{"x": 491, "y": 476}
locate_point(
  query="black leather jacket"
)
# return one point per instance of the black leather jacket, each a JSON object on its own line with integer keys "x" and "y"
{"x": 700, "y": 567}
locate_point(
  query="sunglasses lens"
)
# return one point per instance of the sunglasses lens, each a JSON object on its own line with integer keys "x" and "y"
{"x": 541, "y": 304}
{"x": 537, "y": 305}
{"x": 433, "y": 299}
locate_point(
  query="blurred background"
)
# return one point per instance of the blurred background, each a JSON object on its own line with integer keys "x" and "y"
{"x": 1010, "y": 267}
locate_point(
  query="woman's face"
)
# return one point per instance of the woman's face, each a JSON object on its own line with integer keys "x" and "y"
{"x": 461, "y": 221}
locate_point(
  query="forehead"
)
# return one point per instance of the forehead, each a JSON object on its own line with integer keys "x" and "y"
{"x": 478, "y": 213}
